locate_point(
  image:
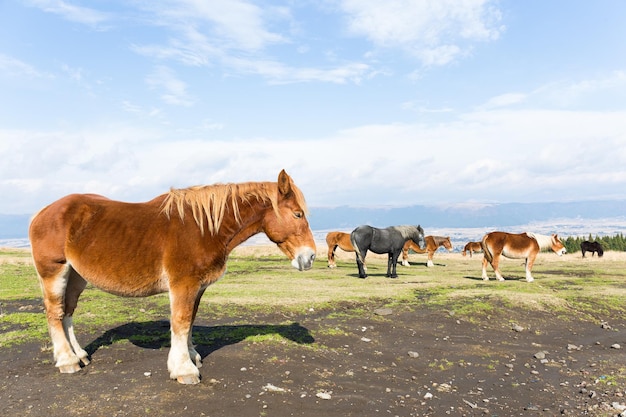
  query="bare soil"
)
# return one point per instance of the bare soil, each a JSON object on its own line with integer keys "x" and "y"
{"x": 410, "y": 361}
{"x": 351, "y": 360}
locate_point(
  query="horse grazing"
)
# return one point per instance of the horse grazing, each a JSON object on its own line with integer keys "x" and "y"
{"x": 515, "y": 246}
{"x": 432, "y": 244}
{"x": 334, "y": 240}
{"x": 593, "y": 247}
{"x": 389, "y": 240}
{"x": 178, "y": 243}
{"x": 472, "y": 247}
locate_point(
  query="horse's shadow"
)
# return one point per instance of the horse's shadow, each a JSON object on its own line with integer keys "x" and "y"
{"x": 208, "y": 339}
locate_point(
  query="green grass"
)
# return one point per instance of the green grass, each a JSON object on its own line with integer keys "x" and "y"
{"x": 566, "y": 286}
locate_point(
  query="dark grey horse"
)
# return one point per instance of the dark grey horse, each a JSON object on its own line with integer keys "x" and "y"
{"x": 389, "y": 240}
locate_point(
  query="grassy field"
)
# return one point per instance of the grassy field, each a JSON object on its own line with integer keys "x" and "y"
{"x": 261, "y": 280}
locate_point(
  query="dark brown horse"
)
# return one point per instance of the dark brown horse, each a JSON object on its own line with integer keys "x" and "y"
{"x": 593, "y": 247}
{"x": 523, "y": 245}
{"x": 334, "y": 240}
{"x": 178, "y": 243}
{"x": 472, "y": 247}
{"x": 432, "y": 244}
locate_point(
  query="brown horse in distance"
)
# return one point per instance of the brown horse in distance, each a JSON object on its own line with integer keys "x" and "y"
{"x": 515, "y": 246}
{"x": 432, "y": 244}
{"x": 472, "y": 247}
{"x": 334, "y": 240}
{"x": 178, "y": 243}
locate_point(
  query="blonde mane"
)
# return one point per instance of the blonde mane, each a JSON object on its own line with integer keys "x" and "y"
{"x": 544, "y": 241}
{"x": 210, "y": 201}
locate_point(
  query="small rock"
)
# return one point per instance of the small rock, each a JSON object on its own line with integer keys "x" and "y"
{"x": 540, "y": 355}
{"x": 618, "y": 406}
{"x": 428, "y": 396}
{"x": 273, "y": 388}
{"x": 518, "y": 328}
{"x": 324, "y": 395}
{"x": 573, "y": 347}
{"x": 383, "y": 311}
{"x": 616, "y": 346}
{"x": 365, "y": 339}
{"x": 413, "y": 354}
{"x": 147, "y": 374}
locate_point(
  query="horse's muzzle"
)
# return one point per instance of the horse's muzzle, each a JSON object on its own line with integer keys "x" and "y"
{"x": 304, "y": 260}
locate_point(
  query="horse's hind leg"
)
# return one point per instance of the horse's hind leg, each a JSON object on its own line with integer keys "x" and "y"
{"x": 193, "y": 353}
{"x": 405, "y": 257}
{"x": 75, "y": 286}
{"x": 360, "y": 263}
{"x": 54, "y": 279}
{"x": 331, "y": 256}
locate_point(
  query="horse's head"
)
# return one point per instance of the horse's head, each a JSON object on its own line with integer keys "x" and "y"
{"x": 557, "y": 245}
{"x": 418, "y": 237}
{"x": 288, "y": 227}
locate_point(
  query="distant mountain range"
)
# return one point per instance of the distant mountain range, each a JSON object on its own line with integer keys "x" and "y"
{"x": 465, "y": 215}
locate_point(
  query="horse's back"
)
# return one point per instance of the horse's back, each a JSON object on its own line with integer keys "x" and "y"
{"x": 107, "y": 242}
{"x": 81, "y": 218}
{"x": 511, "y": 245}
{"x": 341, "y": 239}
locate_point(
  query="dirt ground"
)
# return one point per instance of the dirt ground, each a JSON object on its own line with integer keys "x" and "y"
{"x": 409, "y": 361}
{"x": 405, "y": 361}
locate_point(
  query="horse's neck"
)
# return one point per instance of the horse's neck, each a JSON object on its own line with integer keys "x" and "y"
{"x": 251, "y": 214}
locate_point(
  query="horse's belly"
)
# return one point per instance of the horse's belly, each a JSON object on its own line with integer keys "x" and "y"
{"x": 125, "y": 283}
{"x": 514, "y": 254}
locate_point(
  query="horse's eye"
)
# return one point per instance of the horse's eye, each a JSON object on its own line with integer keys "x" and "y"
{"x": 298, "y": 214}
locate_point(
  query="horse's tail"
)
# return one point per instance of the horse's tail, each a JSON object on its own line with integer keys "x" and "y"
{"x": 485, "y": 247}
{"x": 356, "y": 249}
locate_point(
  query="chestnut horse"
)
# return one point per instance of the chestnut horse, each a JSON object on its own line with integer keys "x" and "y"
{"x": 523, "y": 245}
{"x": 472, "y": 247}
{"x": 389, "y": 240}
{"x": 178, "y": 243}
{"x": 334, "y": 240}
{"x": 432, "y": 244}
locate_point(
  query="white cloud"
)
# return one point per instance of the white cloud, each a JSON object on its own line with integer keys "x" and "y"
{"x": 79, "y": 14}
{"x": 14, "y": 67}
{"x": 174, "y": 90}
{"x": 436, "y": 31}
{"x": 484, "y": 156}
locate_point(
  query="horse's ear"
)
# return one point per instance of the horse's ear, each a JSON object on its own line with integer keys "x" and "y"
{"x": 284, "y": 183}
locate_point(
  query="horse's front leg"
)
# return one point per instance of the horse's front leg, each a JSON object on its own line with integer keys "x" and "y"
{"x": 392, "y": 260}
{"x": 430, "y": 263}
{"x": 183, "y": 304}
{"x": 529, "y": 266}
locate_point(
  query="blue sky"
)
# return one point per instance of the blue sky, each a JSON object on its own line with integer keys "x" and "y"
{"x": 363, "y": 102}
